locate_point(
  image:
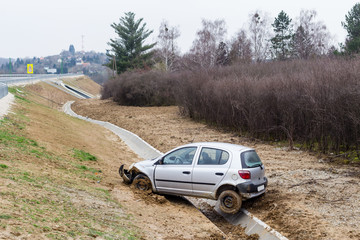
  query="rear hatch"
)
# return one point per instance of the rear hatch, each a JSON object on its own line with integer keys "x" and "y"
{"x": 251, "y": 162}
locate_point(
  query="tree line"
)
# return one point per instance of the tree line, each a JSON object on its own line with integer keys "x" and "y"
{"x": 288, "y": 84}
{"x": 263, "y": 40}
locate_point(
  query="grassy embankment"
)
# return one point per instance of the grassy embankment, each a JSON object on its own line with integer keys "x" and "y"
{"x": 51, "y": 186}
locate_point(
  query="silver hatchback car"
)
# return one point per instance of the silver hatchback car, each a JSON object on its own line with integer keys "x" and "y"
{"x": 225, "y": 172}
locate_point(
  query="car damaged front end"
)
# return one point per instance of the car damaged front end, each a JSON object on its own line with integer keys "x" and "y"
{"x": 145, "y": 167}
{"x": 128, "y": 175}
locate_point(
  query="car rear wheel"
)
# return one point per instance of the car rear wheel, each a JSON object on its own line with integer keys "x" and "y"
{"x": 142, "y": 182}
{"x": 230, "y": 202}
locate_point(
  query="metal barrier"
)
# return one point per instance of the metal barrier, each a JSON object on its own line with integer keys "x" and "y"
{"x": 18, "y": 78}
{"x": 3, "y": 90}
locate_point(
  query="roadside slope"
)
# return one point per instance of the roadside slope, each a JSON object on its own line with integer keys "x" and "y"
{"x": 47, "y": 191}
{"x": 52, "y": 187}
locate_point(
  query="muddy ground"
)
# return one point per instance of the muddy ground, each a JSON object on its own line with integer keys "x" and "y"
{"x": 308, "y": 197}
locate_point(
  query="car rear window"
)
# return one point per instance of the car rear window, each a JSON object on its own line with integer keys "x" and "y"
{"x": 212, "y": 156}
{"x": 250, "y": 159}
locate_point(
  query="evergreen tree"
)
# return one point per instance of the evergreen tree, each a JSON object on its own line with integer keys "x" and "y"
{"x": 128, "y": 49}
{"x": 352, "y": 26}
{"x": 281, "y": 42}
{"x": 72, "y": 49}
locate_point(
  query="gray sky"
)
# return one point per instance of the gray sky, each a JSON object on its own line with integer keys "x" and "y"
{"x": 45, "y": 27}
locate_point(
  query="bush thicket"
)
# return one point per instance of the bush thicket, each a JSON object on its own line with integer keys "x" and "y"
{"x": 141, "y": 89}
{"x": 314, "y": 102}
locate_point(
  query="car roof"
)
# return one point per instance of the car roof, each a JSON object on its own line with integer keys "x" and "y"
{"x": 222, "y": 145}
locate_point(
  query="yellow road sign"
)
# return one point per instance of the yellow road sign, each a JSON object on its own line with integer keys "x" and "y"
{"x": 30, "y": 69}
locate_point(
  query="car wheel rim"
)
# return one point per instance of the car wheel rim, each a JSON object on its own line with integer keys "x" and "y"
{"x": 142, "y": 185}
{"x": 228, "y": 202}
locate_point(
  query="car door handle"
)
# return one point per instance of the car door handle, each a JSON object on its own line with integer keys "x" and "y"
{"x": 219, "y": 173}
{"x": 186, "y": 172}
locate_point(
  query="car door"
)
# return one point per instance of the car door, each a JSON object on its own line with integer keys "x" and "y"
{"x": 174, "y": 173}
{"x": 210, "y": 168}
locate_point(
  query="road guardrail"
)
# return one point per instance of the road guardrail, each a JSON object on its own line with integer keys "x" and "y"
{"x": 17, "y": 78}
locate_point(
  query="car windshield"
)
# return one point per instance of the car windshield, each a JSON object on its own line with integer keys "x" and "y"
{"x": 250, "y": 159}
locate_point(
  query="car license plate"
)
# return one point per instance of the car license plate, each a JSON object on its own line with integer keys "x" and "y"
{"x": 260, "y": 188}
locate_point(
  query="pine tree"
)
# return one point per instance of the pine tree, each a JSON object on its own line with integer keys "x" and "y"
{"x": 352, "y": 26}
{"x": 128, "y": 49}
{"x": 72, "y": 49}
{"x": 281, "y": 43}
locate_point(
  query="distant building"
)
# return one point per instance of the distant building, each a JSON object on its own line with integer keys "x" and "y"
{"x": 51, "y": 70}
{"x": 79, "y": 61}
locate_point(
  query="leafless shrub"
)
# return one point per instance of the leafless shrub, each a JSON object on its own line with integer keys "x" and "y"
{"x": 314, "y": 102}
{"x": 141, "y": 89}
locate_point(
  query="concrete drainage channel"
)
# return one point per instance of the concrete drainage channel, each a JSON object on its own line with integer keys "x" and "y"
{"x": 144, "y": 150}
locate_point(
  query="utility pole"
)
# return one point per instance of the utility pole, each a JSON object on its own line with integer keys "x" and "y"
{"x": 61, "y": 66}
{"x": 82, "y": 43}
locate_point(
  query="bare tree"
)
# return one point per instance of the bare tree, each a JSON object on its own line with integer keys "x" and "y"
{"x": 259, "y": 29}
{"x": 311, "y": 37}
{"x": 205, "y": 47}
{"x": 240, "y": 50}
{"x": 168, "y": 49}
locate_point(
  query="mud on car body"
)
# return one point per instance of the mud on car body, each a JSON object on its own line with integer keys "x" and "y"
{"x": 225, "y": 172}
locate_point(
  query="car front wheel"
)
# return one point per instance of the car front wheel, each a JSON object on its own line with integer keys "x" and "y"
{"x": 230, "y": 202}
{"x": 142, "y": 182}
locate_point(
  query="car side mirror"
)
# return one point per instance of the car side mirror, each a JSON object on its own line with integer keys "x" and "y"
{"x": 160, "y": 162}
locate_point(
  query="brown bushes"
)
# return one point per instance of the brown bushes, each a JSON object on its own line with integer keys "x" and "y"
{"x": 140, "y": 89}
{"x": 315, "y": 102}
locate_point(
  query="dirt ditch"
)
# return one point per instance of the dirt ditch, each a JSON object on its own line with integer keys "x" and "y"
{"x": 307, "y": 197}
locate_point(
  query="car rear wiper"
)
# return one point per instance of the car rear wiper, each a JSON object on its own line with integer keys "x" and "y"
{"x": 258, "y": 165}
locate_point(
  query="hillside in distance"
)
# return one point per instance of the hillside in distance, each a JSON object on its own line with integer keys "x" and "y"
{"x": 89, "y": 63}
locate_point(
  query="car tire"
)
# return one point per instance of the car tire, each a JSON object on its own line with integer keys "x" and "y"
{"x": 126, "y": 176}
{"x": 230, "y": 202}
{"x": 121, "y": 170}
{"x": 142, "y": 183}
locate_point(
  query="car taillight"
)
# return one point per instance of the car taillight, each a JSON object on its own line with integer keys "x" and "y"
{"x": 244, "y": 174}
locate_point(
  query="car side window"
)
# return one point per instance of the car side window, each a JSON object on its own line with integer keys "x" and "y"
{"x": 212, "y": 156}
{"x": 183, "y": 156}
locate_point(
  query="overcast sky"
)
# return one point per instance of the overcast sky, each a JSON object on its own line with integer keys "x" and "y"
{"x": 45, "y": 27}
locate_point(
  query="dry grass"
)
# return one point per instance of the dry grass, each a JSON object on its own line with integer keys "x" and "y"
{"x": 46, "y": 192}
